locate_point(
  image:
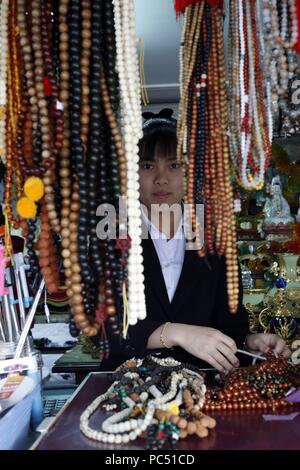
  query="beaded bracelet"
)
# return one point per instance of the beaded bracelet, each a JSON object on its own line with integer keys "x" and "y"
{"x": 162, "y": 339}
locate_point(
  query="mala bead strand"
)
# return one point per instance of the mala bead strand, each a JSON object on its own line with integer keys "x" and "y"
{"x": 86, "y": 44}
{"x": 231, "y": 250}
{"x": 223, "y": 220}
{"x": 54, "y": 17}
{"x": 109, "y": 56}
{"x": 109, "y": 93}
{"x": 70, "y": 200}
{"x": 201, "y": 93}
{"x": 27, "y": 138}
{"x": 191, "y": 43}
{"x": 66, "y": 214}
{"x": 47, "y": 158}
{"x": 187, "y": 71}
{"x": 127, "y": 68}
{"x": 96, "y": 145}
{"x": 110, "y": 272}
{"x": 3, "y": 74}
{"x": 113, "y": 253}
{"x": 116, "y": 134}
{"x": 26, "y": 49}
{"x": 201, "y": 98}
{"x": 65, "y": 174}
{"x": 77, "y": 147}
{"x": 47, "y": 252}
{"x": 53, "y": 8}
{"x": 110, "y": 307}
{"x": 30, "y": 238}
{"x": 86, "y": 324}
{"x": 109, "y": 62}
{"x": 14, "y": 151}
{"x": 13, "y": 109}
{"x": 56, "y": 113}
{"x": 212, "y": 193}
{"x": 191, "y": 169}
{"x": 113, "y": 265}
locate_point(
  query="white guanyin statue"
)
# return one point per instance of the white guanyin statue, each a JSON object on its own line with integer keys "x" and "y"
{"x": 276, "y": 209}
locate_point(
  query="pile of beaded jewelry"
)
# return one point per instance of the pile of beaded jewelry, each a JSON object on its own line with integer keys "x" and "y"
{"x": 157, "y": 399}
{"x": 256, "y": 387}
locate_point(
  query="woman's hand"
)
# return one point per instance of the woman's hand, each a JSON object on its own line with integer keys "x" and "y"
{"x": 265, "y": 342}
{"x": 207, "y": 344}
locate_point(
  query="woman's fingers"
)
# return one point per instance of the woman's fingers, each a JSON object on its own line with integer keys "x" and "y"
{"x": 222, "y": 362}
{"x": 229, "y": 355}
{"x": 215, "y": 364}
{"x": 280, "y": 346}
{"x": 229, "y": 342}
{"x": 286, "y": 352}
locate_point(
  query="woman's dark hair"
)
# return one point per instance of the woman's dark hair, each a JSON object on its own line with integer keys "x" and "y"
{"x": 159, "y": 136}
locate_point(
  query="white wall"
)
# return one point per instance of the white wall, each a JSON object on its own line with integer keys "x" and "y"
{"x": 156, "y": 23}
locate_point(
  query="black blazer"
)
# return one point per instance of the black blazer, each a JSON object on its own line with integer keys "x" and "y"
{"x": 200, "y": 299}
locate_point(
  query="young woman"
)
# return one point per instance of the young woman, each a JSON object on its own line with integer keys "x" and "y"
{"x": 186, "y": 296}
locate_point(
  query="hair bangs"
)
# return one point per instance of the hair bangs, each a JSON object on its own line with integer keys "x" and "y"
{"x": 161, "y": 143}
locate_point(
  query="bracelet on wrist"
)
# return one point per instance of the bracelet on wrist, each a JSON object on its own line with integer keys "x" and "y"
{"x": 162, "y": 337}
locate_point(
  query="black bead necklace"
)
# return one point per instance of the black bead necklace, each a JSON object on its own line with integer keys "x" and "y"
{"x": 202, "y": 69}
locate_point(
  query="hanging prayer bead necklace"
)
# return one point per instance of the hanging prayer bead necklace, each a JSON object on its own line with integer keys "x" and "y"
{"x": 203, "y": 75}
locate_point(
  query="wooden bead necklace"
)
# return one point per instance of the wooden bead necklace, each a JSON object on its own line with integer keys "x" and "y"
{"x": 204, "y": 126}
{"x": 69, "y": 194}
{"x": 47, "y": 252}
{"x": 259, "y": 387}
{"x": 13, "y": 109}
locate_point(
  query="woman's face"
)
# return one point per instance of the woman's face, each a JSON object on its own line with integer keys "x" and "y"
{"x": 161, "y": 181}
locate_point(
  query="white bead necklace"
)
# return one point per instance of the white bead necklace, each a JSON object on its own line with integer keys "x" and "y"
{"x": 254, "y": 106}
{"x": 247, "y": 135}
{"x": 130, "y": 94}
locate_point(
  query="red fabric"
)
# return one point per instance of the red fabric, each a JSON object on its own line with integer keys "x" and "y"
{"x": 297, "y": 46}
{"x": 47, "y": 86}
{"x": 180, "y": 5}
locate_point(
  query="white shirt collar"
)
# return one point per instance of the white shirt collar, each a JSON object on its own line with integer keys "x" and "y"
{"x": 157, "y": 235}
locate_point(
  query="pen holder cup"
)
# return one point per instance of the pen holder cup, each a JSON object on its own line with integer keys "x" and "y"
{"x": 31, "y": 367}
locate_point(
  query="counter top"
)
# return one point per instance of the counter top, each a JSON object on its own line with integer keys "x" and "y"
{"x": 235, "y": 430}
